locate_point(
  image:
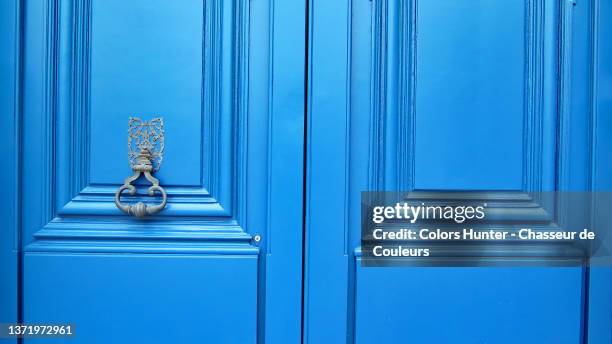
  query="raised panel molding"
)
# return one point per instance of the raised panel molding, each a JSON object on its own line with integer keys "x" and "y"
{"x": 398, "y": 119}
{"x": 390, "y": 147}
{"x": 74, "y": 207}
{"x": 393, "y": 115}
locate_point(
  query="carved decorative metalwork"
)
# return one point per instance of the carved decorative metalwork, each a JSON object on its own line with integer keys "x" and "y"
{"x": 145, "y": 154}
{"x": 147, "y": 135}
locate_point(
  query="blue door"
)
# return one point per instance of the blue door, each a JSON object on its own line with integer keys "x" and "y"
{"x": 223, "y": 81}
{"x": 446, "y": 97}
{"x": 248, "y": 129}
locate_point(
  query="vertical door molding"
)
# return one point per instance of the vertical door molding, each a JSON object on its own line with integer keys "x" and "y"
{"x": 599, "y": 298}
{"x": 10, "y": 179}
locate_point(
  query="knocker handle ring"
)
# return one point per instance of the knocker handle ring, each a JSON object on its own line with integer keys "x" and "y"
{"x": 140, "y": 209}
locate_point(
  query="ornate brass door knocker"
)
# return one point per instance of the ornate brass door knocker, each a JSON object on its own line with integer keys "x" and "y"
{"x": 145, "y": 153}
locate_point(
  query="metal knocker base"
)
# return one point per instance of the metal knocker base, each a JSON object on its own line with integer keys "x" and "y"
{"x": 144, "y": 136}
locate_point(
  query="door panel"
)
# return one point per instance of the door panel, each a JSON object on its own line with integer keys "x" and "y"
{"x": 161, "y": 49}
{"x": 468, "y": 305}
{"x": 175, "y": 298}
{"x": 471, "y": 55}
{"x": 194, "y": 271}
{"x": 441, "y": 97}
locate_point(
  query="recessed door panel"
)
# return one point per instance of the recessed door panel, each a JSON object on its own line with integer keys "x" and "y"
{"x": 467, "y": 305}
{"x": 472, "y": 91}
{"x": 152, "y": 298}
{"x": 146, "y": 59}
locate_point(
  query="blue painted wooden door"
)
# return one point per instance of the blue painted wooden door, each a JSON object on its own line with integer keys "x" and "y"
{"x": 449, "y": 96}
{"x": 430, "y": 95}
{"x": 228, "y": 79}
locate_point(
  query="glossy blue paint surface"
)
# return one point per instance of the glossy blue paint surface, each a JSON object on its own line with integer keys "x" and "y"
{"x": 9, "y": 154}
{"x": 402, "y": 95}
{"x": 600, "y": 282}
{"x": 151, "y": 298}
{"x": 159, "y": 72}
{"x": 469, "y": 305}
{"x": 470, "y": 94}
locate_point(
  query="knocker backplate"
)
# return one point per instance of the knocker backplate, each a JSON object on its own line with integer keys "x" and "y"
{"x": 146, "y": 135}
